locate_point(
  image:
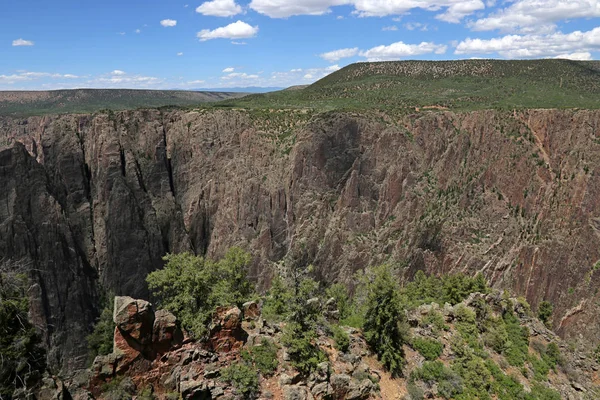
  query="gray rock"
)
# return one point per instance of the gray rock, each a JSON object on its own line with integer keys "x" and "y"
{"x": 296, "y": 393}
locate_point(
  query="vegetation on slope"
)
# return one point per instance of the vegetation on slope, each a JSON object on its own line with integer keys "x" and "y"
{"x": 22, "y": 359}
{"x": 93, "y": 100}
{"x": 462, "y": 85}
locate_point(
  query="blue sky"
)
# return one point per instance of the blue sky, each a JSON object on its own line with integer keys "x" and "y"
{"x": 230, "y": 43}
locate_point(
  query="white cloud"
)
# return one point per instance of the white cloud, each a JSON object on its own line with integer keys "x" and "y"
{"x": 286, "y": 8}
{"x": 219, "y": 8}
{"x": 117, "y": 72}
{"x": 138, "y": 31}
{"x": 336, "y": 55}
{"x": 238, "y": 43}
{"x": 308, "y": 76}
{"x": 582, "y": 56}
{"x": 411, "y": 26}
{"x": 236, "y": 30}
{"x": 454, "y": 10}
{"x": 240, "y": 75}
{"x": 179, "y": 54}
{"x": 332, "y": 68}
{"x": 22, "y": 42}
{"x": 390, "y": 28}
{"x": 400, "y": 49}
{"x": 229, "y": 69}
{"x": 534, "y": 46}
{"x": 197, "y": 82}
{"x": 527, "y": 16}
{"x": 168, "y": 23}
{"x": 26, "y": 76}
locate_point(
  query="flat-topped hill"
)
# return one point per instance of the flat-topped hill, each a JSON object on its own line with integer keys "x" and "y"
{"x": 464, "y": 84}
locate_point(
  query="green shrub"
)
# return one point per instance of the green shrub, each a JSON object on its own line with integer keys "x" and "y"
{"x": 22, "y": 357}
{"x": 553, "y": 356}
{"x": 339, "y": 292}
{"x": 428, "y": 348}
{"x": 449, "y": 384}
{"x": 446, "y": 289}
{"x": 243, "y": 377}
{"x": 496, "y": 336}
{"x": 540, "y": 392}
{"x": 276, "y": 305}
{"x": 545, "y": 311}
{"x": 385, "y": 327}
{"x": 341, "y": 338}
{"x": 540, "y": 368}
{"x": 414, "y": 392}
{"x": 191, "y": 287}
{"x": 436, "y": 320}
{"x": 263, "y": 356}
{"x": 299, "y": 335}
{"x": 517, "y": 347}
{"x": 100, "y": 341}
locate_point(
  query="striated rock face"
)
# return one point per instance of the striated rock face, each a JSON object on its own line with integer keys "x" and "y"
{"x": 92, "y": 202}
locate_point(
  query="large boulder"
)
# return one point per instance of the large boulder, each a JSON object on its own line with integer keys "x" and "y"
{"x": 134, "y": 318}
{"x": 226, "y": 333}
{"x": 166, "y": 333}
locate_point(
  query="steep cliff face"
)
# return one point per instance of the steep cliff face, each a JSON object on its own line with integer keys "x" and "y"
{"x": 92, "y": 202}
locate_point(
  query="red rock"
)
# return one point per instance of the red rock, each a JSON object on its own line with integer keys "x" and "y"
{"x": 226, "y": 333}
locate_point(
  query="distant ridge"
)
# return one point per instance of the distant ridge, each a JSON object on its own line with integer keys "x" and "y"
{"x": 91, "y": 100}
{"x": 248, "y": 89}
{"x": 462, "y": 84}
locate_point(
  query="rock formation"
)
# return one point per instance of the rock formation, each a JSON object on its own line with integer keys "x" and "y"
{"x": 90, "y": 203}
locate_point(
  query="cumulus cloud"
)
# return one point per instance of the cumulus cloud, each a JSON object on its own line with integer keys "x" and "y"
{"x": 336, "y": 55}
{"x": 168, "y": 23}
{"x": 390, "y": 28}
{"x": 22, "y": 42}
{"x": 400, "y": 49}
{"x": 574, "y": 44}
{"x": 219, "y": 8}
{"x": 236, "y": 30}
{"x": 25, "y": 76}
{"x": 582, "y": 56}
{"x": 529, "y": 16}
{"x": 455, "y": 10}
{"x": 117, "y": 72}
{"x": 239, "y": 75}
{"x": 229, "y": 70}
{"x": 179, "y": 54}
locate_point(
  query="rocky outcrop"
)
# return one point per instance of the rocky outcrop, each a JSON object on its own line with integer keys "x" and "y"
{"x": 92, "y": 202}
{"x": 194, "y": 369}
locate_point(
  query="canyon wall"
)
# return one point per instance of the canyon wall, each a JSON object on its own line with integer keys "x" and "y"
{"x": 90, "y": 203}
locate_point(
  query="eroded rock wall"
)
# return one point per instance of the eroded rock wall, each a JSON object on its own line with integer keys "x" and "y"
{"x": 92, "y": 202}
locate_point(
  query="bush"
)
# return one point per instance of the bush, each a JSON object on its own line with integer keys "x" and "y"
{"x": 339, "y": 292}
{"x": 22, "y": 357}
{"x": 263, "y": 356}
{"x": 299, "y": 335}
{"x": 385, "y": 327}
{"x": 495, "y": 335}
{"x": 243, "y": 377}
{"x": 447, "y": 289}
{"x": 191, "y": 287}
{"x": 341, "y": 337}
{"x": 276, "y": 305}
{"x": 100, "y": 341}
{"x": 449, "y": 384}
{"x": 517, "y": 347}
{"x": 553, "y": 356}
{"x": 428, "y": 348}
{"x": 545, "y": 312}
{"x": 436, "y": 320}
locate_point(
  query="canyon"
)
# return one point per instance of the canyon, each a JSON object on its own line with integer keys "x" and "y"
{"x": 90, "y": 203}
